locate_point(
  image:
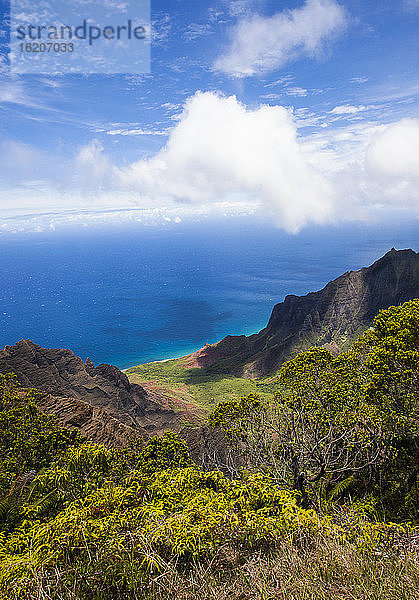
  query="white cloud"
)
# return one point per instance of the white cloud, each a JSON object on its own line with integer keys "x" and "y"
{"x": 238, "y": 8}
{"x": 347, "y": 109}
{"x": 282, "y": 81}
{"x": 271, "y": 96}
{"x": 394, "y": 151}
{"x": 220, "y": 150}
{"x": 296, "y": 91}
{"x": 287, "y": 86}
{"x": 93, "y": 170}
{"x": 263, "y": 44}
{"x": 135, "y": 131}
{"x": 373, "y": 168}
{"x": 13, "y": 92}
{"x": 195, "y": 31}
{"x": 161, "y": 27}
{"x": 222, "y": 158}
{"x": 362, "y": 79}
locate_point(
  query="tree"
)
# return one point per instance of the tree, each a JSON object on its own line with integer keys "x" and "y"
{"x": 388, "y": 357}
{"x": 316, "y": 431}
{"x": 338, "y": 421}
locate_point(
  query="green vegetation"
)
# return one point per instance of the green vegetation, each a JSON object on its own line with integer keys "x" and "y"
{"x": 345, "y": 426}
{"x": 321, "y": 503}
{"x": 178, "y": 380}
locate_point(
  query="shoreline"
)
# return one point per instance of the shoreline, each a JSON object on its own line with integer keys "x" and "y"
{"x": 152, "y": 362}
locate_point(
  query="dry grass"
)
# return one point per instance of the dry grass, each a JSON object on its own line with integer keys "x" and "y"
{"x": 325, "y": 571}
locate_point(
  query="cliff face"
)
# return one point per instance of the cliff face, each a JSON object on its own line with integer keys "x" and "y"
{"x": 332, "y": 316}
{"x": 98, "y": 400}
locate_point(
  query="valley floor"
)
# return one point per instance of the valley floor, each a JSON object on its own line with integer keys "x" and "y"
{"x": 190, "y": 387}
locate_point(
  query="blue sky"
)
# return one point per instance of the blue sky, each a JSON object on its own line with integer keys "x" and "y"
{"x": 302, "y": 111}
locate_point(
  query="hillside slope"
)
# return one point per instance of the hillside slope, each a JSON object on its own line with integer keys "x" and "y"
{"x": 100, "y": 401}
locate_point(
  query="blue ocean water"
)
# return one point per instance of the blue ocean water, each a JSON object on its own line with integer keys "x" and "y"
{"x": 130, "y": 295}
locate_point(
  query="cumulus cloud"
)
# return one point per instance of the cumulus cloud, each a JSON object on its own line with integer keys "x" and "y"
{"x": 220, "y": 155}
{"x": 394, "y": 151}
{"x": 221, "y": 150}
{"x": 93, "y": 169}
{"x": 262, "y": 44}
{"x": 373, "y": 168}
{"x": 223, "y": 158}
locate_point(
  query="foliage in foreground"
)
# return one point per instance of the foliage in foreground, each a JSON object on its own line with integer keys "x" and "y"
{"x": 124, "y": 537}
{"x": 335, "y": 450}
{"x": 345, "y": 426}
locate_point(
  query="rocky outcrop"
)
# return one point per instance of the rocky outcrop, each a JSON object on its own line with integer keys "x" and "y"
{"x": 98, "y": 396}
{"x": 332, "y": 316}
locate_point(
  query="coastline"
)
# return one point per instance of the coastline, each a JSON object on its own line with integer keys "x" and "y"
{"x": 151, "y": 362}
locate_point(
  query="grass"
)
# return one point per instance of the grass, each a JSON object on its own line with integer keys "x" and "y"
{"x": 197, "y": 386}
{"x": 325, "y": 570}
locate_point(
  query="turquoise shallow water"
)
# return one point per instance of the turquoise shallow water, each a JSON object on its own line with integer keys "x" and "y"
{"x": 133, "y": 294}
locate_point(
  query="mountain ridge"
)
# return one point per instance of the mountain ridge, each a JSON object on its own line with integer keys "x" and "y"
{"x": 101, "y": 396}
{"x": 331, "y": 316}
{"x": 104, "y": 404}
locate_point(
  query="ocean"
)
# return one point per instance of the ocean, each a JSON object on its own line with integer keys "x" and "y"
{"x": 132, "y": 294}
